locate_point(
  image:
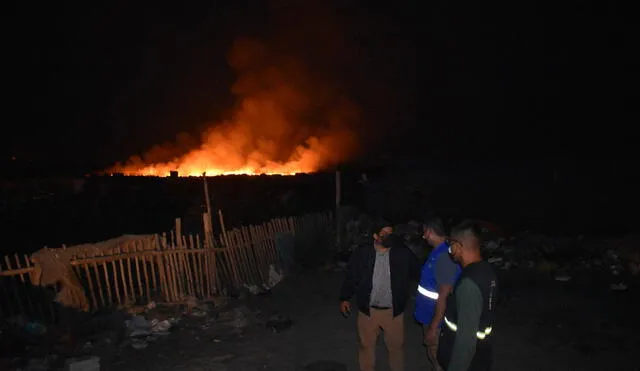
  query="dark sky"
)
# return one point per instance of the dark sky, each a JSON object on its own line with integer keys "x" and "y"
{"x": 87, "y": 85}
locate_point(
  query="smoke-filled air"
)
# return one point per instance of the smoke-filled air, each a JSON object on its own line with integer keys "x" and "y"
{"x": 287, "y": 121}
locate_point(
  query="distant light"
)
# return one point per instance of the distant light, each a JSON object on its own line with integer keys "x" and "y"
{"x": 13, "y": 158}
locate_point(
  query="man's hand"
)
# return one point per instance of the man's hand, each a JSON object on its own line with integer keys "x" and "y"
{"x": 430, "y": 335}
{"x": 345, "y": 308}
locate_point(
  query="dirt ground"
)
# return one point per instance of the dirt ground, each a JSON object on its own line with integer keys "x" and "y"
{"x": 541, "y": 325}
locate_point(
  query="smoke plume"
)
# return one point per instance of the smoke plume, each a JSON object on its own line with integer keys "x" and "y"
{"x": 291, "y": 115}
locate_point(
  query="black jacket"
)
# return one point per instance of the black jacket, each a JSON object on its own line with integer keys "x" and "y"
{"x": 404, "y": 269}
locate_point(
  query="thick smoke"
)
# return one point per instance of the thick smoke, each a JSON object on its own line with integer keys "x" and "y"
{"x": 290, "y": 115}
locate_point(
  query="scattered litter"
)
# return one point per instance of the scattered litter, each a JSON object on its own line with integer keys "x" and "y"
{"x": 160, "y": 327}
{"x": 222, "y": 358}
{"x": 279, "y": 323}
{"x": 83, "y": 364}
{"x": 141, "y": 330}
{"x": 252, "y": 288}
{"x": 139, "y": 343}
{"x": 492, "y": 245}
{"x": 237, "y": 318}
{"x": 151, "y": 305}
{"x": 619, "y": 287}
{"x": 274, "y": 276}
{"x": 138, "y": 326}
{"x": 325, "y": 366}
{"x": 38, "y": 364}
{"x": 34, "y": 328}
{"x": 563, "y": 278}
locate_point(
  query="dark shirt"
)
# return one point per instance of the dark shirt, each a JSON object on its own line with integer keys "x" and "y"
{"x": 469, "y": 300}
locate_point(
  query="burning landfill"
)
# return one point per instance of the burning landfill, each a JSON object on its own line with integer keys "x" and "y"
{"x": 286, "y": 122}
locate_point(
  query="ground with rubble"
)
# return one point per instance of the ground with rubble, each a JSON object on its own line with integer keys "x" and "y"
{"x": 554, "y": 313}
{"x": 542, "y": 324}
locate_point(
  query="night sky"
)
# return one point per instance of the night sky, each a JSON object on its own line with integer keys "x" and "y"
{"x": 87, "y": 85}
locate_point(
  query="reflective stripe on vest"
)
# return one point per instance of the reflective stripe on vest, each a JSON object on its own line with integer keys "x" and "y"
{"x": 430, "y": 294}
{"x": 480, "y": 334}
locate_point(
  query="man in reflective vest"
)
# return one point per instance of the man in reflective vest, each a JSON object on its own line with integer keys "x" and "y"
{"x": 465, "y": 343}
{"x": 439, "y": 274}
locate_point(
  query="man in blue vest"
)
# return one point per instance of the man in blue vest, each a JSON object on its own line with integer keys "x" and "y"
{"x": 439, "y": 275}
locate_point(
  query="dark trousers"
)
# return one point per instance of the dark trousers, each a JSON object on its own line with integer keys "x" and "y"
{"x": 481, "y": 360}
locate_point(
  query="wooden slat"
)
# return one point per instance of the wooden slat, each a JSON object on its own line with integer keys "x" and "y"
{"x": 184, "y": 257}
{"x": 145, "y": 271}
{"x": 199, "y": 278}
{"x": 92, "y": 293}
{"x": 94, "y": 265}
{"x": 136, "y": 247}
{"x": 123, "y": 279}
{"x": 116, "y": 286}
{"x": 106, "y": 278}
{"x": 132, "y": 291}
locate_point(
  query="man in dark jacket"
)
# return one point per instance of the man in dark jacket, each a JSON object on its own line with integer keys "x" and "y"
{"x": 380, "y": 275}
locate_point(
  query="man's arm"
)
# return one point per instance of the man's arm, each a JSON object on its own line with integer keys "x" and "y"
{"x": 469, "y": 303}
{"x": 445, "y": 276}
{"x": 353, "y": 275}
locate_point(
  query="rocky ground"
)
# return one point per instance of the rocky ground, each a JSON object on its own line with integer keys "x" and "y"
{"x": 542, "y": 324}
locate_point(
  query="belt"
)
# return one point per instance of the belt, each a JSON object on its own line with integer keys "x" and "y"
{"x": 379, "y": 308}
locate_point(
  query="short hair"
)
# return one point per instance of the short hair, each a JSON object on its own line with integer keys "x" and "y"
{"x": 379, "y": 225}
{"x": 435, "y": 224}
{"x": 467, "y": 229}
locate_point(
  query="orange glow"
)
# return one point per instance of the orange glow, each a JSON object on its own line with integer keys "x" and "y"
{"x": 224, "y": 152}
{"x": 286, "y": 122}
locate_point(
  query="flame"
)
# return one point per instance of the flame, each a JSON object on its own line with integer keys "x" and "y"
{"x": 286, "y": 122}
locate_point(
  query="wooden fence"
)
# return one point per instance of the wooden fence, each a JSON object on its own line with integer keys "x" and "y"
{"x": 168, "y": 268}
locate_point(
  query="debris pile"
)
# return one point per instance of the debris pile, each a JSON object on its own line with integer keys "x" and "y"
{"x": 564, "y": 258}
{"x": 32, "y": 346}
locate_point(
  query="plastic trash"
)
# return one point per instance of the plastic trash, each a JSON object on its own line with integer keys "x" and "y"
{"x": 160, "y": 327}
{"x": 563, "y": 278}
{"x": 274, "y": 276}
{"x": 35, "y": 328}
{"x": 279, "y": 323}
{"x": 83, "y": 364}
